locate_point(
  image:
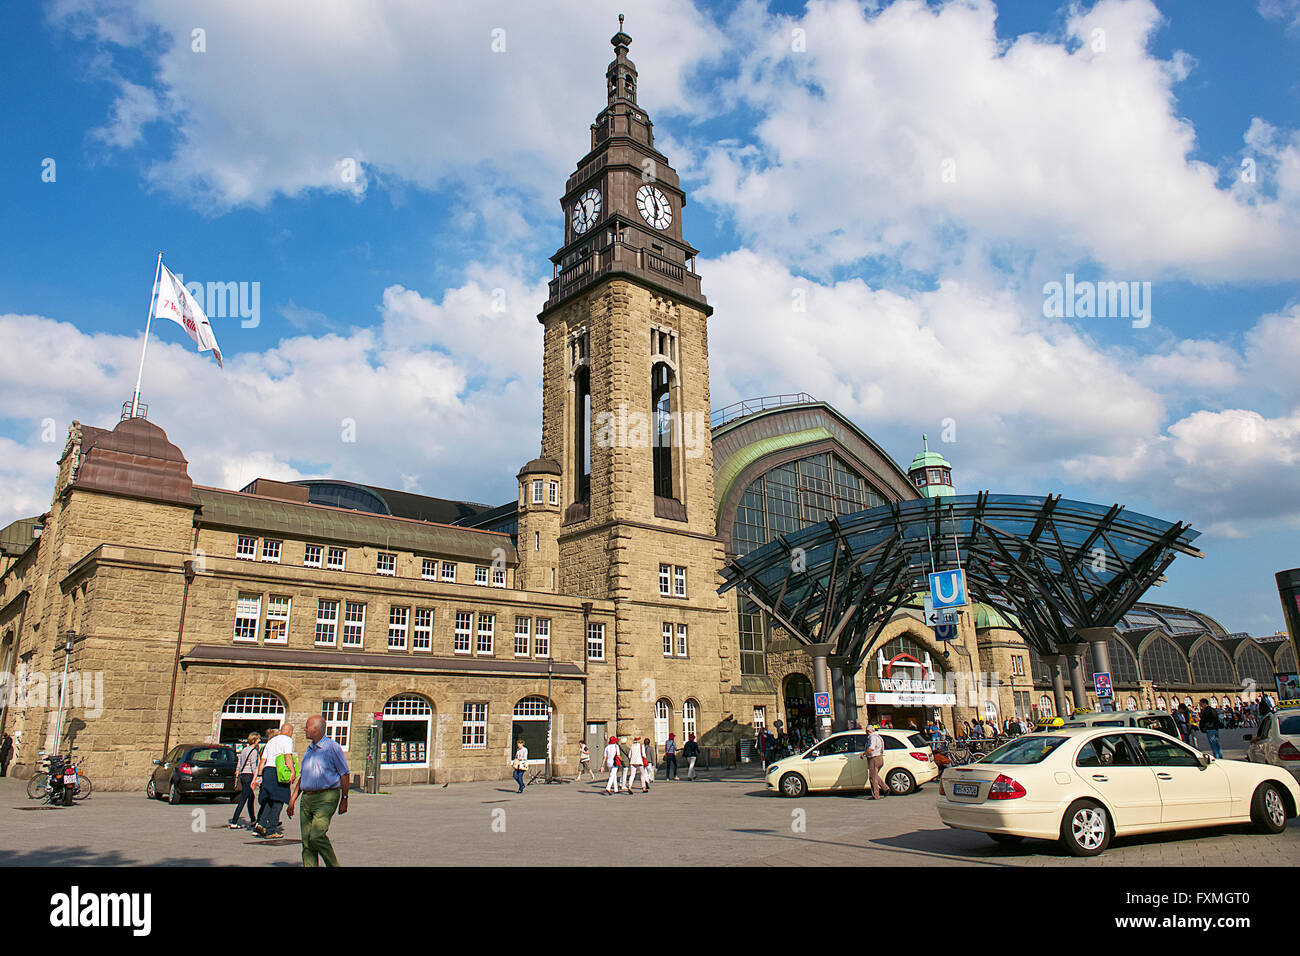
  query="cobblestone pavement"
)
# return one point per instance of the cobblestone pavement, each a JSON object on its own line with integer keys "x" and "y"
{"x": 725, "y": 819}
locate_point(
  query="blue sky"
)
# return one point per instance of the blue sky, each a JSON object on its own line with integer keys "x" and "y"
{"x": 815, "y": 169}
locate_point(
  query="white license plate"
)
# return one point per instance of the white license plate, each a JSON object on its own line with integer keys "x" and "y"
{"x": 213, "y": 786}
{"x": 966, "y": 789}
{"x": 70, "y": 778}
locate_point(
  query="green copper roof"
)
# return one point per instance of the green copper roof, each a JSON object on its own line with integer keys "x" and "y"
{"x": 751, "y": 453}
{"x": 988, "y": 616}
{"x": 928, "y": 458}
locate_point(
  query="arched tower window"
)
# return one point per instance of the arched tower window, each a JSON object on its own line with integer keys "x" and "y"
{"x": 582, "y": 434}
{"x": 663, "y": 401}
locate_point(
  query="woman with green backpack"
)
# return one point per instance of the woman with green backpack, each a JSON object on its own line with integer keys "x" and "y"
{"x": 276, "y": 771}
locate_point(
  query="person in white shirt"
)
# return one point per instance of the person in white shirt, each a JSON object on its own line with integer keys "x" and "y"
{"x": 611, "y": 764}
{"x": 276, "y": 793}
{"x": 637, "y": 760}
{"x": 875, "y": 755}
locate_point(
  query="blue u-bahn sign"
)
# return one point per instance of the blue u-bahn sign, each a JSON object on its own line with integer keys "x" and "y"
{"x": 948, "y": 588}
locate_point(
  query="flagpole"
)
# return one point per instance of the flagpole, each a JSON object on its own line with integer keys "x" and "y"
{"x": 153, "y": 296}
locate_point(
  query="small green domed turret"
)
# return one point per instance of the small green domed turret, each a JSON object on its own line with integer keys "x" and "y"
{"x": 931, "y": 473}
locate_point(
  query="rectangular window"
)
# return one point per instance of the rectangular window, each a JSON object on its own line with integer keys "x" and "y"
{"x": 554, "y": 492}
{"x": 338, "y": 720}
{"x": 277, "y": 619}
{"x": 752, "y": 659}
{"x": 522, "y": 636}
{"x": 498, "y": 577}
{"x": 327, "y": 622}
{"x": 760, "y": 718}
{"x": 386, "y": 563}
{"x": 681, "y": 640}
{"x": 311, "y": 556}
{"x": 271, "y": 551}
{"x": 480, "y": 574}
{"x": 668, "y": 639}
{"x": 248, "y": 614}
{"x": 542, "y": 637}
{"x": 429, "y": 569}
{"x": 473, "y": 734}
{"x": 487, "y": 625}
{"x": 354, "y": 624}
{"x": 679, "y": 582}
{"x": 449, "y": 571}
{"x": 595, "y": 641}
{"x": 537, "y": 491}
{"x": 246, "y": 548}
{"x": 464, "y": 630}
{"x": 337, "y": 559}
{"x": 422, "y": 629}
{"x": 398, "y": 618}
{"x": 665, "y": 580}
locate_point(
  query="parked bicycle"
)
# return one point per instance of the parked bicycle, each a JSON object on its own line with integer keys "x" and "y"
{"x": 38, "y": 786}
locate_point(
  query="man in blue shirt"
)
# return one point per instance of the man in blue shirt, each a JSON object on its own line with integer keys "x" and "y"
{"x": 323, "y": 786}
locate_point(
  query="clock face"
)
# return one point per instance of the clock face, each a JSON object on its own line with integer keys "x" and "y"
{"x": 655, "y": 207}
{"x": 586, "y": 210}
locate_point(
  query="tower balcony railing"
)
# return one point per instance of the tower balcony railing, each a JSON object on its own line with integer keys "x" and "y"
{"x": 621, "y": 257}
{"x": 749, "y": 406}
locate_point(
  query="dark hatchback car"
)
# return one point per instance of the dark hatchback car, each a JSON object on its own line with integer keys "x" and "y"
{"x": 193, "y": 771}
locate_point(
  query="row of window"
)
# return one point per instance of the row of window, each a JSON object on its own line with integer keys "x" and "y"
{"x": 553, "y": 491}
{"x": 336, "y": 559}
{"x": 672, "y": 581}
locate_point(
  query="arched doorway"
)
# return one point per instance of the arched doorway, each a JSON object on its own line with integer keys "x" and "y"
{"x": 408, "y": 718}
{"x": 663, "y": 710}
{"x": 800, "y": 716}
{"x": 529, "y": 725}
{"x": 254, "y": 711}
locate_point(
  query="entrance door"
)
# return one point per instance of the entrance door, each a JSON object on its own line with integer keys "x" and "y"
{"x": 597, "y": 738}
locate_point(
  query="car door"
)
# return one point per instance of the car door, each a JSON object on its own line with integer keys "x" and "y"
{"x": 830, "y": 769}
{"x": 162, "y": 775}
{"x": 1257, "y": 752}
{"x": 1189, "y": 791}
{"x": 1113, "y": 766}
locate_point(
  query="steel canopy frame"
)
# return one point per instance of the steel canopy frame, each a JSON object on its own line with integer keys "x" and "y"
{"x": 1051, "y": 565}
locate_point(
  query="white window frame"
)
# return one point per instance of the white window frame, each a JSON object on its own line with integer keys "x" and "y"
{"x": 248, "y": 612}
{"x": 327, "y": 615}
{"x": 380, "y": 563}
{"x": 554, "y": 492}
{"x": 537, "y": 491}
{"x": 488, "y": 632}
{"x": 681, "y": 640}
{"x": 595, "y": 639}
{"x": 422, "y": 633}
{"x": 663, "y": 715}
{"x": 523, "y": 629}
{"x": 342, "y": 564}
{"x": 760, "y": 717}
{"x": 498, "y": 577}
{"x": 667, "y": 634}
{"x": 542, "y": 637}
{"x": 399, "y": 624}
{"x": 429, "y": 569}
{"x": 449, "y": 572}
{"x": 665, "y": 580}
{"x": 473, "y": 725}
{"x": 481, "y": 575}
{"x": 679, "y": 582}
{"x": 308, "y": 561}
{"x": 278, "y": 609}
{"x": 690, "y": 718}
{"x": 338, "y": 721}
{"x": 352, "y": 623}
{"x": 246, "y": 548}
{"x": 271, "y": 549}
{"x": 463, "y": 636}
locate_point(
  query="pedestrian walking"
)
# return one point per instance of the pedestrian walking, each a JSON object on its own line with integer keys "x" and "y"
{"x": 1211, "y": 724}
{"x": 611, "y": 763}
{"x": 520, "y": 763}
{"x": 584, "y": 761}
{"x": 628, "y": 771}
{"x": 322, "y": 786}
{"x": 670, "y": 758}
{"x": 245, "y": 772}
{"x": 691, "y": 751}
{"x": 651, "y": 759}
{"x": 875, "y": 756}
{"x": 6, "y": 754}
{"x": 636, "y": 759}
{"x": 276, "y": 772}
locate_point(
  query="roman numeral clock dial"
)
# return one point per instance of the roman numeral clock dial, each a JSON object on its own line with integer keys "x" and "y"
{"x": 586, "y": 211}
{"x": 655, "y": 207}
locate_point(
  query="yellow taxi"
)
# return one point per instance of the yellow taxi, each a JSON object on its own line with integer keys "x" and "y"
{"x": 838, "y": 763}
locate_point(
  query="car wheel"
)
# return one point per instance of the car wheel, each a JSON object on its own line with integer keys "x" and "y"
{"x": 793, "y": 785}
{"x": 900, "y": 782}
{"x": 1267, "y": 811}
{"x": 1085, "y": 828}
{"x": 150, "y": 790}
{"x": 1006, "y": 839}
{"x": 174, "y": 794}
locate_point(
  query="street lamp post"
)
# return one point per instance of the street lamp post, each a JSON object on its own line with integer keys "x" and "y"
{"x": 69, "y": 638}
{"x": 550, "y": 662}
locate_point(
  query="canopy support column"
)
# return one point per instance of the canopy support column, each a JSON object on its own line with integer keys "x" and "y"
{"x": 1054, "y": 665}
{"x": 1074, "y": 659}
{"x": 822, "y": 681}
{"x": 1097, "y": 637}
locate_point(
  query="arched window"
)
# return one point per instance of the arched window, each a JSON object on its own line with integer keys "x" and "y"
{"x": 582, "y": 433}
{"x": 1286, "y": 660}
{"x": 1163, "y": 662}
{"x": 530, "y": 725}
{"x": 1123, "y": 669}
{"x": 408, "y": 720}
{"x": 1254, "y": 664}
{"x": 1214, "y": 700}
{"x": 1132, "y": 703}
{"x": 662, "y": 709}
{"x": 1210, "y": 665}
{"x": 903, "y": 644}
{"x": 254, "y": 711}
{"x": 662, "y": 385}
{"x": 1160, "y": 702}
{"x": 1045, "y": 706}
{"x": 690, "y": 718}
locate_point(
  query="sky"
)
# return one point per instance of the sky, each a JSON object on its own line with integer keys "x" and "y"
{"x": 883, "y": 195}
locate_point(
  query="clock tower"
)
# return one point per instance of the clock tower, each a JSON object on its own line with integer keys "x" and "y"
{"x": 626, "y": 419}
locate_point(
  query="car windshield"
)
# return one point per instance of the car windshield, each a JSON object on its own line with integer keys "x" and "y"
{"x": 1023, "y": 750}
{"x": 1289, "y": 725}
{"x": 1158, "y": 722}
{"x": 217, "y": 755}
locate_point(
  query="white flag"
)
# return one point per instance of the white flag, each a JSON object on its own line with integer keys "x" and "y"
{"x": 176, "y": 303}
